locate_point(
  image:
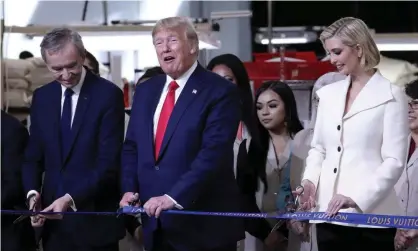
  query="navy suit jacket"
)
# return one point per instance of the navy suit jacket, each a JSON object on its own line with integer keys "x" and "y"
{"x": 14, "y": 137}
{"x": 195, "y": 164}
{"x": 90, "y": 170}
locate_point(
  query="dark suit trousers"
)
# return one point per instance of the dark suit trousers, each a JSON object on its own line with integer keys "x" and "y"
{"x": 332, "y": 237}
{"x": 56, "y": 242}
{"x": 161, "y": 244}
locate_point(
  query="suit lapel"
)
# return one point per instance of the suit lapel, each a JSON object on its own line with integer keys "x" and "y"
{"x": 376, "y": 92}
{"x": 82, "y": 105}
{"x": 55, "y": 115}
{"x": 190, "y": 92}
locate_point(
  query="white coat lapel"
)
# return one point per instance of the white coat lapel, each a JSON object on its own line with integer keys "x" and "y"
{"x": 376, "y": 92}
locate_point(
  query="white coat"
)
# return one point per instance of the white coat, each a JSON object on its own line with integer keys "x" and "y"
{"x": 360, "y": 154}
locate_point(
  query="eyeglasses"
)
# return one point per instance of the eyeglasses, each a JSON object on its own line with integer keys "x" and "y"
{"x": 413, "y": 104}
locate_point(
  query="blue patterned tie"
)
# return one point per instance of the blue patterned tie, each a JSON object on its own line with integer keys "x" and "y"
{"x": 66, "y": 122}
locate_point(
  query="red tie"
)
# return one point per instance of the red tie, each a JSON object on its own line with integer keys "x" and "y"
{"x": 165, "y": 116}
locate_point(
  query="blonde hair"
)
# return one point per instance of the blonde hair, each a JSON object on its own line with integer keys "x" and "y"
{"x": 352, "y": 32}
{"x": 173, "y": 23}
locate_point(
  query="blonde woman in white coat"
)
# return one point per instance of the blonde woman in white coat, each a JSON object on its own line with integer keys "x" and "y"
{"x": 302, "y": 144}
{"x": 359, "y": 144}
{"x": 407, "y": 186}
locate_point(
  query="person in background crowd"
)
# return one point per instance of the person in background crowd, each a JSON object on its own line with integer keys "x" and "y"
{"x": 91, "y": 63}
{"x": 407, "y": 186}
{"x": 360, "y": 138}
{"x": 231, "y": 68}
{"x": 277, "y": 168}
{"x": 149, "y": 73}
{"x": 14, "y": 137}
{"x": 76, "y": 135}
{"x": 302, "y": 142}
{"x": 25, "y": 55}
{"x": 184, "y": 159}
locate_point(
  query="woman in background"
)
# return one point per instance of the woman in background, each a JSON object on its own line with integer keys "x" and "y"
{"x": 277, "y": 168}
{"x": 91, "y": 63}
{"x": 359, "y": 143}
{"x": 231, "y": 67}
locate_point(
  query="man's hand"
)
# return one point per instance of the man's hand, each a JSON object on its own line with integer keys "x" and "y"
{"x": 35, "y": 205}
{"x": 130, "y": 199}
{"x": 273, "y": 240}
{"x": 59, "y": 205}
{"x": 155, "y": 205}
{"x": 307, "y": 197}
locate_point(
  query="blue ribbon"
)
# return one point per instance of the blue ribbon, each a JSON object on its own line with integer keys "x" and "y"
{"x": 390, "y": 221}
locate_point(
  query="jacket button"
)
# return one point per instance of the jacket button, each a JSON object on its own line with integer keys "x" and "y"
{"x": 339, "y": 149}
{"x": 338, "y": 127}
{"x": 157, "y": 168}
{"x": 335, "y": 170}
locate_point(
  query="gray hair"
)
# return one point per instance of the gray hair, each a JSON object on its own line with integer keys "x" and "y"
{"x": 56, "y": 39}
{"x": 171, "y": 23}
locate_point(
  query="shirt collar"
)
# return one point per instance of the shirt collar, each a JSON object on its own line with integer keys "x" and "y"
{"x": 182, "y": 80}
{"x": 76, "y": 88}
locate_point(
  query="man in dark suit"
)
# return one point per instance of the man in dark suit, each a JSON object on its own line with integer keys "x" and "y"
{"x": 76, "y": 135}
{"x": 178, "y": 151}
{"x": 14, "y": 136}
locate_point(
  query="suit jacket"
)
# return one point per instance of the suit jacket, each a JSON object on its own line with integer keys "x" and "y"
{"x": 195, "y": 164}
{"x": 14, "y": 137}
{"x": 407, "y": 190}
{"x": 90, "y": 169}
{"x": 407, "y": 186}
{"x": 360, "y": 154}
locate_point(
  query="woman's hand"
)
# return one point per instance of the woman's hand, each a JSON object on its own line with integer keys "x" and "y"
{"x": 339, "y": 202}
{"x": 306, "y": 196}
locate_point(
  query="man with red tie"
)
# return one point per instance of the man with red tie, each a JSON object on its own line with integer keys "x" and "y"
{"x": 178, "y": 151}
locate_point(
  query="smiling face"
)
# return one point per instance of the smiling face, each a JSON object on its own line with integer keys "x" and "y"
{"x": 175, "y": 52}
{"x": 271, "y": 110}
{"x": 413, "y": 115}
{"x": 66, "y": 65}
{"x": 345, "y": 58}
{"x": 225, "y": 72}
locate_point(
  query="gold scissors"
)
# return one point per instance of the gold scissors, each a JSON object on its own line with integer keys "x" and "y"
{"x": 290, "y": 208}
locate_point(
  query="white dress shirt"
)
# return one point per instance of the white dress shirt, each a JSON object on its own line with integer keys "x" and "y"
{"x": 181, "y": 82}
{"x": 74, "y": 101}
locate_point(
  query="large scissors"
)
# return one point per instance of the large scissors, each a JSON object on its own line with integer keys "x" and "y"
{"x": 32, "y": 209}
{"x": 291, "y": 207}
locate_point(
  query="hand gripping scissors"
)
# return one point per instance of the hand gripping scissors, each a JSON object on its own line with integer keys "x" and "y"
{"x": 24, "y": 216}
{"x": 290, "y": 208}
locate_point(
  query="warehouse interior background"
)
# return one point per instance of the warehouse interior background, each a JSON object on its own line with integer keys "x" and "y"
{"x": 238, "y": 27}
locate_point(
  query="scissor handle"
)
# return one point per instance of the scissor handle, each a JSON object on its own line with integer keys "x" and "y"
{"x": 299, "y": 187}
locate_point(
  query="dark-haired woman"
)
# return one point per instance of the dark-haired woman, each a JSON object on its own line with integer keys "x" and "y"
{"x": 278, "y": 168}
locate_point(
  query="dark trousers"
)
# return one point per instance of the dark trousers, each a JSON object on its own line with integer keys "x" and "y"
{"x": 332, "y": 237}
{"x": 59, "y": 242}
{"x": 161, "y": 244}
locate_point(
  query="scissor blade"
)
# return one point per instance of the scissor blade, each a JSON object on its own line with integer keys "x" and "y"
{"x": 20, "y": 218}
